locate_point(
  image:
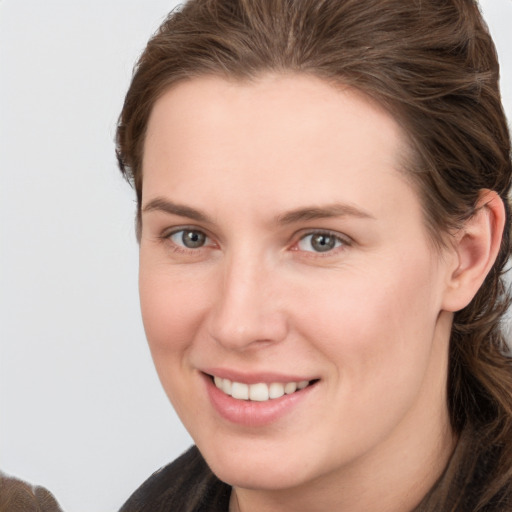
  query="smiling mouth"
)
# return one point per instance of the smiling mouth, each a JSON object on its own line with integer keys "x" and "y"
{"x": 260, "y": 392}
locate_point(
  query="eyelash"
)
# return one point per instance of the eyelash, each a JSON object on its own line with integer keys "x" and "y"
{"x": 167, "y": 237}
{"x": 341, "y": 242}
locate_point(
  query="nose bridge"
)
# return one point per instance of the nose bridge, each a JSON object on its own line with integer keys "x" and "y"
{"x": 247, "y": 309}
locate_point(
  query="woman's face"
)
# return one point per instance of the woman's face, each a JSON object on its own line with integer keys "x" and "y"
{"x": 282, "y": 246}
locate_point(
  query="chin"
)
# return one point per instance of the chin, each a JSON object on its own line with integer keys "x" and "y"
{"x": 247, "y": 476}
{"x": 260, "y": 468}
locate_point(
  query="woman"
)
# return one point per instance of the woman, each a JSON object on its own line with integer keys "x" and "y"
{"x": 323, "y": 226}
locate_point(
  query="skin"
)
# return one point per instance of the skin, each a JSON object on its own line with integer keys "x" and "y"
{"x": 370, "y": 318}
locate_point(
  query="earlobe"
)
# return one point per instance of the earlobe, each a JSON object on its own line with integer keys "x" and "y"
{"x": 476, "y": 247}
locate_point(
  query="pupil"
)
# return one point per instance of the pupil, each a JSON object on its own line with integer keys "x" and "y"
{"x": 193, "y": 239}
{"x": 323, "y": 243}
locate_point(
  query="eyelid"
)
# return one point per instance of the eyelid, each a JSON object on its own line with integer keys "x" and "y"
{"x": 167, "y": 234}
{"x": 345, "y": 240}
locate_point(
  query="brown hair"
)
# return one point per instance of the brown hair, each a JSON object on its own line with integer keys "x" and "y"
{"x": 19, "y": 496}
{"x": 433, "y": 65}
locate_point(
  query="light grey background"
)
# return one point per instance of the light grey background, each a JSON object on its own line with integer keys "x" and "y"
{"x": 81, "y": 409}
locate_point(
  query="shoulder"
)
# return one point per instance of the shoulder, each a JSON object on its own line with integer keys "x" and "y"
{"x": 187, "y": 484}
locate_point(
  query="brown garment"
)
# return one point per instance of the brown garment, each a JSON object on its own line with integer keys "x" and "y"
{"x": 19, "y": 496}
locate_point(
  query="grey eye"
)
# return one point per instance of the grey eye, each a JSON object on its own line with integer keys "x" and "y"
{"x": 189, "y": 238}
{"x": 319, "y": 242}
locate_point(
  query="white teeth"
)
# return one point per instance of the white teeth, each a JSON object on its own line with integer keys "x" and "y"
{"x": 226, "y": 386}
{"x": 290, "y": 388}
{"x": 240, "y": 391}
{"x": 260, "y": 392}
{"x": 276, "y": 390}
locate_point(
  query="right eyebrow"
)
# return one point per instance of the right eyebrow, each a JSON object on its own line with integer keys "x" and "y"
{"x": 166, "y": 206}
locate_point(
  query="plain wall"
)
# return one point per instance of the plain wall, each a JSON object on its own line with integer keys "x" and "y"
{"x": 81, "y": 409}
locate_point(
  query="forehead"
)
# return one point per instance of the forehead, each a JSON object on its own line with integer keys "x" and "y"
{"x": 280, "y": 133}
{"x": 276, "y": 101}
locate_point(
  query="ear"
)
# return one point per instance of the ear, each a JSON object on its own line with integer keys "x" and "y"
{"x": 476, "y": 246}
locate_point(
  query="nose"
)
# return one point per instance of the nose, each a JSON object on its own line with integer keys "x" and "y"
{"x": 249, "y": 309}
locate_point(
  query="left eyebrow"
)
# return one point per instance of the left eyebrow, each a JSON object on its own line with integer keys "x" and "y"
{"x": 324, "y": 212}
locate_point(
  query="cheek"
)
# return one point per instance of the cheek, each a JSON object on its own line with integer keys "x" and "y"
{"x": 376, "y": 325}
{"x": 377, "y": 331}
{"x": 172, "y": 312}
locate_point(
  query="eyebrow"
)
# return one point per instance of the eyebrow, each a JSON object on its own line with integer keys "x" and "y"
{"x": 324, "y": 212}
{"x": 163, "y": 205}
{"x": 293, "y": 216}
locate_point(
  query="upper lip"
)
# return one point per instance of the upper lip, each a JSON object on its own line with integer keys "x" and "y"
{"x": 267, "y": 377}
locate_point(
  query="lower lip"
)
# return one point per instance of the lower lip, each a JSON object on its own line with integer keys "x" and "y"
{"x": 250, "y": 413}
